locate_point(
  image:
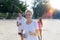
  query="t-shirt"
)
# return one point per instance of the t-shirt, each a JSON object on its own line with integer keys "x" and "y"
{"x": 30, "y": 28}
{"x": 20, "y": 21}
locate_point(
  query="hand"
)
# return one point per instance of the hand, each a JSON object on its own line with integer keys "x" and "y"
{"x": 19, "y": 24}
{"x": 31, "y": 33}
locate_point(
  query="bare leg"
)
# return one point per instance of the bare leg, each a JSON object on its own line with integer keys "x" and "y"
{"x": 41, "y": 34}
{"x": 22, "y": 38}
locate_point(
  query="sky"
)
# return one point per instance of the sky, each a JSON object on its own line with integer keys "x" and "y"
{"x": 29, "y": 3}
{"x": 54, "y": 3}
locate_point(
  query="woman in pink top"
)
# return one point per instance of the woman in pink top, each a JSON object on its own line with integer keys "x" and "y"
{"x": 40, "y": 27}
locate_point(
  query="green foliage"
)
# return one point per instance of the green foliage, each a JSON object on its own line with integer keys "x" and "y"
{"x": 3, "y": 15}
{"x": 39, "y": 10}
{"x": 11, "y": 6}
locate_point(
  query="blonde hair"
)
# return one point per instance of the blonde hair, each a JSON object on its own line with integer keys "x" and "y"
{"x": 29, "y": 11}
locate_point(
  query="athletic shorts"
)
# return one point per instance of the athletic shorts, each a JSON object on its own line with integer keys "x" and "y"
{"x": 19, "y": 33}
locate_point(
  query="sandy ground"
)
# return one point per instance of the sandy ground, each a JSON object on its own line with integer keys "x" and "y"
{"x": 8, "y": 30}
{"x": 51, "y": 30}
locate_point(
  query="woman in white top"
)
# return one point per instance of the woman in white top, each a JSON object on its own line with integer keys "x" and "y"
{"x": 20, "y": 21}
{"x": 30, "y": 27}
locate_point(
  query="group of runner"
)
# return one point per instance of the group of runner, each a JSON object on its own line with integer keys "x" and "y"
{"x": 28, "y": 29}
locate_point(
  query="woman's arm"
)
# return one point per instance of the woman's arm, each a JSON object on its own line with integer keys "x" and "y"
{"x": 37, "y": 32}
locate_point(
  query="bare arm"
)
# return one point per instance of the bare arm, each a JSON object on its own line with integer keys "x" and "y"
{"x": 17, "y": 24}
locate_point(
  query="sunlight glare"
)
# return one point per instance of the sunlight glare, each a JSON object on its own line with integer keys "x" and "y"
{"x": 55, "y": 4}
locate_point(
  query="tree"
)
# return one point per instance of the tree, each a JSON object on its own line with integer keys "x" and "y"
{"x": 11, "y": 6}
{"x": 39, "y": 8}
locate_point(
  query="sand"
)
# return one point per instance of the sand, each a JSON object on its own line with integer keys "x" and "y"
{"x": 9, "y": 31}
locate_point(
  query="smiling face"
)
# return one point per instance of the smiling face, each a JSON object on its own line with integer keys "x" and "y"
{"x": 28, "y": 15}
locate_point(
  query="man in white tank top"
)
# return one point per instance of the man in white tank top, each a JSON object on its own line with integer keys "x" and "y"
{"x": 20, "y": 21}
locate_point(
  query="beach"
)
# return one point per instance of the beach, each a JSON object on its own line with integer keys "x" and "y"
{"x": 50, "y": 30}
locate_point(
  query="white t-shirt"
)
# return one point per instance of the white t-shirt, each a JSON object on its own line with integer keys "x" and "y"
{"x": 20, "y": 21}
{"x": 30, "y": 28}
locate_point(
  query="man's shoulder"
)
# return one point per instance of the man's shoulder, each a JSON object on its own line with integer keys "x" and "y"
{"x": 17, "y": 18}
{"x": 23, "y": 17}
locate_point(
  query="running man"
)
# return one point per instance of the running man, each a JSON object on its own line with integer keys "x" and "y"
{"x": 20, "y": 21}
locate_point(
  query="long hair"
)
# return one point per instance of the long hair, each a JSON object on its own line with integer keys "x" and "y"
{"x": 40, "y": 20}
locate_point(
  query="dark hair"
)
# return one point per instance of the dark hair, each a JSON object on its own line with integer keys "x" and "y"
{"x": 20, "y": 12}
{"x": 40, "y": 20}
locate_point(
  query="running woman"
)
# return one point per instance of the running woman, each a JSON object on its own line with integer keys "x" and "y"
{"x": 30, "y": 27}
{"x": 40, "y": 24}
{"x": 20, "y": 21}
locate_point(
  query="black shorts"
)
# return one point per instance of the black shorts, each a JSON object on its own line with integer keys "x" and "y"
{"x": 20, "y": 34}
